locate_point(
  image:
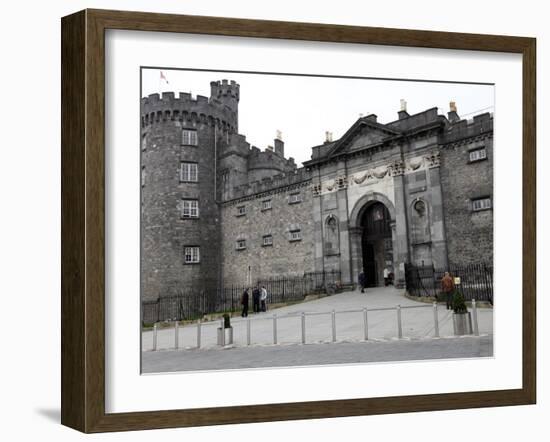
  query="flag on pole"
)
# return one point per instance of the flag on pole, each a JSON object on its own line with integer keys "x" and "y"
{"x": 163, "y": 77}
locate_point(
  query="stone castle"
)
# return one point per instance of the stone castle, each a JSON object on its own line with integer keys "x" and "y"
{"x": 217, "y": 211}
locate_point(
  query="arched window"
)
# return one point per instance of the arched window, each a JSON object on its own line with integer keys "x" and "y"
{"x": 332, "y": 236}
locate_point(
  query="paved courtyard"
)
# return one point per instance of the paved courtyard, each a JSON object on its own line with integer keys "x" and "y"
{"x": 418, "y": 327}
{"x": 317, "y": 354}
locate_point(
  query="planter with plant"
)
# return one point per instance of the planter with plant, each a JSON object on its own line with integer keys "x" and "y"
{"x": 225, "y": 333}
{"x": 462, "y": 318}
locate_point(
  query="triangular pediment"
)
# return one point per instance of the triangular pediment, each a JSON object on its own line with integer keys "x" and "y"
{"x": 361, "y": 135}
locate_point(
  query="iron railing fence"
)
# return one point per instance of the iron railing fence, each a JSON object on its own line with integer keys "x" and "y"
{"x": 190, "y": 305}
{"x": 476, "y": 280}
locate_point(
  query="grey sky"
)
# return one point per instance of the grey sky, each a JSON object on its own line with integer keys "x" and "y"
{"x": 303, "y": 108}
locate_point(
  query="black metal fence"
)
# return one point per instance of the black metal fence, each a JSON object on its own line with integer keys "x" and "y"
{"x": 195, "y": 304}
{"x": 476, "y": 280}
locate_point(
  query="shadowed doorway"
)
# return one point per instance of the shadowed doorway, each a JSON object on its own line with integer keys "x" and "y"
{"x": 376, "y": 243}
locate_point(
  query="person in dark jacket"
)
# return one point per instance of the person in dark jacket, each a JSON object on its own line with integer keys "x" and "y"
{"x": 244, "y": 302}
{"x": 448, "y": 288}
{"x": 362, "y": 282}
{"x": 256, "y": 299}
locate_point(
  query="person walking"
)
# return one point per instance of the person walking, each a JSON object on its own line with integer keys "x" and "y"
{"x": 448, "y": 287}
{"x": 362, "y": 282}
{"x": 386, "y": 277}
{"x": 263, "y": 298}
{"x": 256, "y": 299}
{"x": 244, "y": 302}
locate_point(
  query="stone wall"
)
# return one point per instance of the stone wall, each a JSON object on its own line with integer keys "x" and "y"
{"x": 164, "y": 233}
{"x": 284, "y": 256}
{"x": 469, "y": 233}
{"x": 418, "y": 166}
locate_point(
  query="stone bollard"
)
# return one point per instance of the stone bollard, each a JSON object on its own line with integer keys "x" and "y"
{"x": 436, "y": 321}
{"x": 474, "y": 314}
{"x": 399, "y": 326}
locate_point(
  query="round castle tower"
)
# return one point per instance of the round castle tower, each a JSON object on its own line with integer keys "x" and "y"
{"x": 180, "y": 230}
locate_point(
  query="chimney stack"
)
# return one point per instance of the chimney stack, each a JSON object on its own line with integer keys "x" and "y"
{"x": 328, "y": 137}
{"x": 403, "y": 109}
{"x": 279, "y": 144}
{"x": 452, "y": 115}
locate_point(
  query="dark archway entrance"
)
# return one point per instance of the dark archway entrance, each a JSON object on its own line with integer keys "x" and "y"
{"x": 376, "y": 243}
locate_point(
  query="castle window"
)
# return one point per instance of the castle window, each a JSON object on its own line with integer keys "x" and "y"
{"x": 241, "y": 210}
{"x": 294, "y": 198}
{"x": 267, "y": 240}
{"x": 189, "y": 137}
{"x": 266, "y": 205}
{"x": 479, "y": 204}
{"x": 478, "y": 155}
{"x": 241, "y": 244}
{"x": 191, "y": 254}
{"x": 189, "y": 172}
{"x": 190, "y": 209}
{"x": 295, "y": 235}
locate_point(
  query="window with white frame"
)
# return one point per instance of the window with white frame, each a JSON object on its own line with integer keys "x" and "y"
{"x": 190, "y": 209}
{"x": 241, "y": 244}
{"x": 295, "y": 235}
{"x": 294, "y": 198}
{"x": 266, "y": 204}
{"x": 481, "y": 204}
{"x": 241, "y": 210}
{"x": 191, "y": 254}
{"x": 189, "y": 137}
{"x": 189, "y": 172}
{"x": 478, "y": 154}
{"x": 267, "y": 240}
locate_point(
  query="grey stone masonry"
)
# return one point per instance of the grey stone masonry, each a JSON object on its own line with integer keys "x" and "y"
{"x": 469, "y": 232}
{"x": 267, "y": 234}
{"x": 250, "y": 213}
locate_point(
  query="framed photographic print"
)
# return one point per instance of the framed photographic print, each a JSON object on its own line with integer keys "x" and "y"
{"x": 270, "y": 220}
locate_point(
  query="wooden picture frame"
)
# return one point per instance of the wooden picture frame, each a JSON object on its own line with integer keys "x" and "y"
{"x": 83, "y": 220}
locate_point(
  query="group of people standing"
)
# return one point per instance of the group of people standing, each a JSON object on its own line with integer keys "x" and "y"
{"x": 259, "y": 300}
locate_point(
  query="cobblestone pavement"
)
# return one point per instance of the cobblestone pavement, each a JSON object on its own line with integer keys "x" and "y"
{"x": 316, "y": 354}
{"x": 417, "y": 322}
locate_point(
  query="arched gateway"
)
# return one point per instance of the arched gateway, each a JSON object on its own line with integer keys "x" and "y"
{"x": 372, "y": 228}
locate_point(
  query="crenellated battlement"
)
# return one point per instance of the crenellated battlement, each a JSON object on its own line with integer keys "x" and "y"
{"x": 268, "y": 159}
{"x": 256, "y": 158}
{"x": 157, "y": 109}
{"x": 224, "y": 88}
{"x": 280, "y": 182}
{"x": 465, "y": 129}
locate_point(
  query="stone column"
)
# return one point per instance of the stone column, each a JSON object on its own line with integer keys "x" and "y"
{"x": 394, "y": 247}
{"x": 317, "y": 225}
{"x": 400, "y": 237}
{"x": 345, "y": 253}
{"x": 438, "y": 236}
{"x": 356, "y": 252}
